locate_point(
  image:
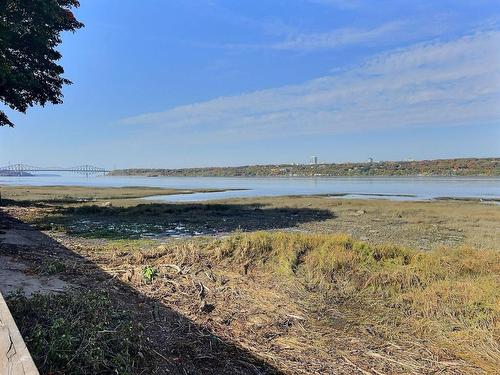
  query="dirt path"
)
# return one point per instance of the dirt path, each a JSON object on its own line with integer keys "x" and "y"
{"x": 16, "y": 274}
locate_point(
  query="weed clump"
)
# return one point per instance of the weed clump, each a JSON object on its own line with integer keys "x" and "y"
{"x": 149, "y": 274}
{"x": 50, "y": 267}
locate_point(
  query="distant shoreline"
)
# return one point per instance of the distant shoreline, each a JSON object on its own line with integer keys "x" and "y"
{"x": 25, "y": 174}
{"x": 5, "y": 173}
{"x": 470, "y": 167}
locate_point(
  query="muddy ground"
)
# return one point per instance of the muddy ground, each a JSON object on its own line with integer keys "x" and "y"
{"x": 420, "y": 225}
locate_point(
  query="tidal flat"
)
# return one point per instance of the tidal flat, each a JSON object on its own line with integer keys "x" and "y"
{"x": 120, "y": 213}
{"x": 286, "y": 285}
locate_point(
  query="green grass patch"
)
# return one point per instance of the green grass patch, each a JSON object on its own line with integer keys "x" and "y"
{"x": 77, "y": 333}
{"x": 50, "y": 267}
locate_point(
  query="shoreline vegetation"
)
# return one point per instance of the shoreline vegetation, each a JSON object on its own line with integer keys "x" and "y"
{"x": 278, "y": 285}
{"x": 442, "y": 167}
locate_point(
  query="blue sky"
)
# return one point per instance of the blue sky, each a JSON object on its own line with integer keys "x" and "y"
{"x": 222, "y": 82}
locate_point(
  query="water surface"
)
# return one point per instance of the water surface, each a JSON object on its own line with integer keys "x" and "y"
{"x": 394, "y": 188}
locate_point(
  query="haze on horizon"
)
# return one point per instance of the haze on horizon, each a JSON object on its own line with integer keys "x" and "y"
{"x": 205, "y": 83}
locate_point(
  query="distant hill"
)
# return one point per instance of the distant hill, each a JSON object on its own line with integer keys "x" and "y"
{"x": 442, "y": 167}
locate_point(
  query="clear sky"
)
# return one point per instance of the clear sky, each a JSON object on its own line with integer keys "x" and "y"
{"x": 222, "y": 82}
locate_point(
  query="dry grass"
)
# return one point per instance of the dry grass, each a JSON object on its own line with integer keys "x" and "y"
{"x": 449, "y": 297}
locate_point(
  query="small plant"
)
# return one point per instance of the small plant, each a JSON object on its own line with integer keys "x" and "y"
{"x": 50, "y": 267}
{"x": 149, "y": 273}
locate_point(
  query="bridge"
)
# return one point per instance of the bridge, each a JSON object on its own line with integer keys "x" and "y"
{"x": 81, "y": 169}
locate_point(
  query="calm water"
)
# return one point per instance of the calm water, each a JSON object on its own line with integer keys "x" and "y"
{"x": 397, "y": 188}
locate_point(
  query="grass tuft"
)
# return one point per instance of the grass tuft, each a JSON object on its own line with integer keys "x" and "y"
{"x": 50, "y": 267}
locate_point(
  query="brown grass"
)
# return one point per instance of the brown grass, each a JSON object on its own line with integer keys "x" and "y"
{"x": 449, "y": 297}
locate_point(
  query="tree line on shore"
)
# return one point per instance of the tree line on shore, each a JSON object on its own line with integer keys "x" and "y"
{"x": 442, "y": 167}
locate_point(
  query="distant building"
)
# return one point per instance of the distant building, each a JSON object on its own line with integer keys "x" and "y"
{"x": 314, "y": 160}
{"x": 370, "y": 160}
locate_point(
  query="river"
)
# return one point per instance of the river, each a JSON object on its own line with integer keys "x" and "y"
{"x": 394, "y": 188}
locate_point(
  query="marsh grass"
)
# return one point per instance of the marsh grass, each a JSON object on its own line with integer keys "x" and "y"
{"x": 449, "y": 296}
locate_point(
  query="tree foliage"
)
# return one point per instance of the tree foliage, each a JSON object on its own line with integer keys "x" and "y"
{"x": 30, "y": 31}
{"x": 443, "y": 167}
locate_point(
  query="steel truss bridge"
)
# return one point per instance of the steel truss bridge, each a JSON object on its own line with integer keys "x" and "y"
{"x": 81, "y": 169}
